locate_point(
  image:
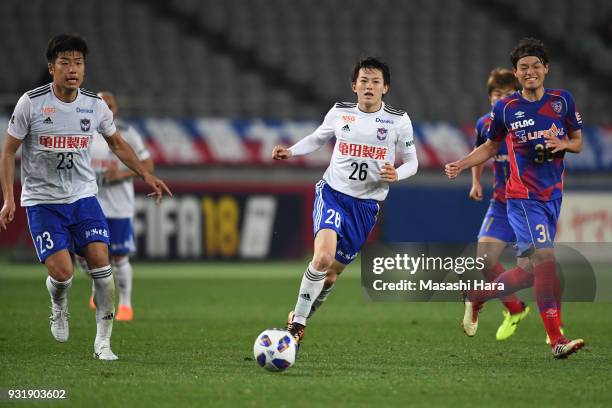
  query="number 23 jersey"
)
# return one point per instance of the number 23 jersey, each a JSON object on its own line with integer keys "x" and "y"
{"x": 364, "y": 143}
{"x": 56, "y": 136}
{"x": 535, "y": 172}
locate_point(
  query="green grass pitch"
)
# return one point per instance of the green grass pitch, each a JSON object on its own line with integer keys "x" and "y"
{"x": 191, "y": 345}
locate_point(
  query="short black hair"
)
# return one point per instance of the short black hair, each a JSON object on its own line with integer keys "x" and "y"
{"x": 372, "y": 63}
{"x": 529, "y": 47}
{"x": 65, "y": 42}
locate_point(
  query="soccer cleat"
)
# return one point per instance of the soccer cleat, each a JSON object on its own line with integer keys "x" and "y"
{"x": 59, "y": 323}
{"x": 565, "y": 347}
{"x": 92, "y": 304}
{"x": 102, "y": 351}
{"x": 296, "y": 329}
{"x": 125, "y": 313}
{"x": 470, "y": 316}
{"x": 548, "y": 338}
{"x": 508, "y": 326}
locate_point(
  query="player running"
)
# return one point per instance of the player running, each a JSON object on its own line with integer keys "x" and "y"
{"x": 495, "y": 231}
{"x": 55, "y": 124}
{"x": 116, "y": 197}
{"x": 369, "y": 134}
{"x": 538, "y": 126}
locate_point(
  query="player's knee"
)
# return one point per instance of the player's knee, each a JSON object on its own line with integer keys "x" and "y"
{"x": 322, "y": 261}
{"x": 543, "y": 255}
{"x": 60, "y": 272}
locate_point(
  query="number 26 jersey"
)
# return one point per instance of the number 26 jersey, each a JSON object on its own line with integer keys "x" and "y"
{"x": 364, "y": 143}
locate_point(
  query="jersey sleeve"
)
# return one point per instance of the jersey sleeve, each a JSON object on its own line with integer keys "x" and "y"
{"x": 19, "y": 124}
{"x": 405, "y": 140}
{"x": 573, "y": 120}
{"x": 106, "y": 126}
{"x": 134, "y": 139}
{"x": 481, "y": 126}
{"x": 318, "y": 138}
{"x": 496, "y": 131}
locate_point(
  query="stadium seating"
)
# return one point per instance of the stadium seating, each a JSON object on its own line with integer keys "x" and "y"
{"x": 283, "y": 59}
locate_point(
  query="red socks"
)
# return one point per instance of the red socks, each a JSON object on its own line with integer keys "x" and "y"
{"x": 512, "y": 303}
{"x": 514, "y": 280}
{"x": 548, "y": 294}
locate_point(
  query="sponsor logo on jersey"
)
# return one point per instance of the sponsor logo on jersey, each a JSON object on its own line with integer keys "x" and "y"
{"x": 387, "y": 121}
{"x": 522, "y": 123}
{"x": 554, "y": 131}
{"x": 557, "y": 106}
{"x": 348, "y": 118}
{"x": 381, "y": 133}
{"x": 578, "y": 117}
{"x": 409, "y": 143}
{"x": 85, "y": 124}
{"x": 48, "y": 110}
{"x": 519, "y": 114}
{"x": 63, "y": 142}
{"x": 13, "y": 120}
{"x": 346, "y": 128}
{"x": 362, "y": 151}
{"x": 48, "y": 121}
{"x": 84, "y": 110}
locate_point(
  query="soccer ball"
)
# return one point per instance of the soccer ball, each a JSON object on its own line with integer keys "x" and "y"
{"x": 275, "y": 349}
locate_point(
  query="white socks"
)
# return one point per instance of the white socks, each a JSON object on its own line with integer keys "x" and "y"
{"x": 310, "y": 288}
{"x": 104, "y": 298}
{"x": 320, "y": 299}
{"x": 59, "y": 291}
{"x": 123, "y": 272}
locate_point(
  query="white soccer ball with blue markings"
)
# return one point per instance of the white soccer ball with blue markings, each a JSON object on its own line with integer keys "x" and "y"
{"x": 275, "y": 349}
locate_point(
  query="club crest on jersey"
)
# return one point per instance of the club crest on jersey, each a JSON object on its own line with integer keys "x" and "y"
{"x": 381, "y": 133}
{"x": 556, "y": 106}
{"x": 85, "y": 125}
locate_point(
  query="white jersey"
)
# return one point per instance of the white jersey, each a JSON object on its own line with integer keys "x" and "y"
{"x": 364, "y": 143}
{"x": 116, "y": 200}
{"x": 56, "y": 136}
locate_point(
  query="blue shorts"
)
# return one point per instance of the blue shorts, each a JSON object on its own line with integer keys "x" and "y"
{"x": 495, "y": 223}
{"x": 534, "y": 223}
{"x": 351, "y": 218}
{"x": 66, "y": 226}
{"x": 121, "y": 236}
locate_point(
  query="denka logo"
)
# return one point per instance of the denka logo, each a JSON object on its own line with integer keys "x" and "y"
{"x": 348, "y": 118}
{"x": 522, "y": 123}
{"x": 387, "y": 121}
{"x": 84, "y": 110}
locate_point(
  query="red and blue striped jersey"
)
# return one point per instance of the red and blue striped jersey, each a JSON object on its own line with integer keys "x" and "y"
{"x": 501, "y": 166}
{"x": 535, "y": 173}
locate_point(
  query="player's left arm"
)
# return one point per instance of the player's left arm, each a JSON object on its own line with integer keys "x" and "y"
{"x": 572, "y": 144}
{"x": 126, "y": 154}
{"x": 406, "y": 151}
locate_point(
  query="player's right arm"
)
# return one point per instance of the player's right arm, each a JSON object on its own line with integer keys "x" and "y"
{"x": 18, "y": 128}
{"x": 310, "y": 143}
{"x": 7, "y": 166}
{"x": 478, "y": 156}
{"x": 476, "y": 190}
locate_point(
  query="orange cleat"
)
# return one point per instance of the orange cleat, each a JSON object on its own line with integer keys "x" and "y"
{"x": 92, "y": 305}
{"x": 125, "y": 313}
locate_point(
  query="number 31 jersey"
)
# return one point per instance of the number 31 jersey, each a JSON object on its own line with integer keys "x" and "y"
{"x": 535, "y": 172}
{"x": 364, "y": 143}
{"x": 56, "y": 136}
